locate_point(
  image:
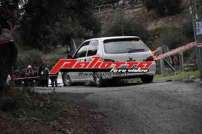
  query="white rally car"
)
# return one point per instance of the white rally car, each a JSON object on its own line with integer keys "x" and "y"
{"x": 121, "y": 48}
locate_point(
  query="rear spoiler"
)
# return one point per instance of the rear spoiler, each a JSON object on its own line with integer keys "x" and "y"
{"x": 122, "y": 39}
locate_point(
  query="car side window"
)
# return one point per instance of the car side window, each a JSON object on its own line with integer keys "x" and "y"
{"x": 92, "y": 48}
{"x": 82, "y": 51}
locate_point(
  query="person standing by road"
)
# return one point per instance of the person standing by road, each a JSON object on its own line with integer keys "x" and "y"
{"x": 46, "y": 76}
{"x": 29, "y": 73}
{"x": 41, "y": 74}
{"x": 54, "y": 82}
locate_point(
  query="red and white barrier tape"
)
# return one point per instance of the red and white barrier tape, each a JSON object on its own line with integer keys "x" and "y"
{"x": 178, "y": 50}
{"x": 24, "y": 78}
{"x": 200, "y": 46}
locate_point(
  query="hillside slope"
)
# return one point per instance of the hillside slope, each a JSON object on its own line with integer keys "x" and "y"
{"x": 148, "y": 19}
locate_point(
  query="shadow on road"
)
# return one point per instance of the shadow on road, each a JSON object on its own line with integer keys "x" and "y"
{"x": 110, "y": 83}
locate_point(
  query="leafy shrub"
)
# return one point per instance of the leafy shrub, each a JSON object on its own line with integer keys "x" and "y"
{"x": 164, "y": 7}
{"x": 32, "y": 57}
{"x": 55, "y": 55}
{"x": 188, "y": 30}
{"x": 172, "y": 37}
{"x": 29, "y": 105}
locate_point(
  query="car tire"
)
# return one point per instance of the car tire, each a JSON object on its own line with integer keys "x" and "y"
{"x": 147, "y": 79}
{"x": 67, "y": 80}
{"x": 99, "y": 82}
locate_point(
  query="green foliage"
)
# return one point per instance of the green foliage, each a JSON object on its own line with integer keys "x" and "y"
{"x": 31, "y": 57}
{"x": 188, "y": 29}
{"x": 128, "y": 27}
{"x": 164, "y": 7}
{"x": 53, "y": 56}
{"x": 178, "y": 76}
{"x": 31, "y": 105}
{"x": 8, "y": 51}
{"x": 175, "y": 37}
{"x": 36, "y": 57}
{"x": 50, "y": 23}
{"x": 172, "y": 37}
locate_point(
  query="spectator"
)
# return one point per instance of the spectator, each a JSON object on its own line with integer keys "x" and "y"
{"x": 41, "y": 74}
{"x": 8, "y": 81}
{"x": 54, "y": 80}
{"x": 46, "y": 76}
{"x": 29, "y": 73}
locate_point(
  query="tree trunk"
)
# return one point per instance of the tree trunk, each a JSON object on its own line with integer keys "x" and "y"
{"x": 8, "y": 56}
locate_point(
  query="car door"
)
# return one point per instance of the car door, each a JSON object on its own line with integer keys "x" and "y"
{"x": 80, "y": 55}
{"x": 92, "y": 49}
{"x": 92, "y": 52}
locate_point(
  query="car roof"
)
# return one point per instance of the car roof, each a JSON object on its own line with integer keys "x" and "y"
{"x": 113, "y": 37}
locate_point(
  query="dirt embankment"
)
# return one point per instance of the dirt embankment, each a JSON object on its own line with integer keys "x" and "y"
{"x": 51, "y": 114}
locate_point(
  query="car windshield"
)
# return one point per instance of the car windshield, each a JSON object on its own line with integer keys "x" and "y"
{"x": 117, "y": 46}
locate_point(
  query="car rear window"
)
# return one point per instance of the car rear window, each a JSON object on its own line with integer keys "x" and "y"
{"x": 116, "y": 46}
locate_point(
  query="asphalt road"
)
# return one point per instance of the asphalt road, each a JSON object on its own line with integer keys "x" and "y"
{"x": 158, "y": 108}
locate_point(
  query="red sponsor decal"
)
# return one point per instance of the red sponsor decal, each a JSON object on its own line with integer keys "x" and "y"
{"x": 97, "y": 64}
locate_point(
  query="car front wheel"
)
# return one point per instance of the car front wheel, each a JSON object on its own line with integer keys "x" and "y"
{"x": 67, "y": 80}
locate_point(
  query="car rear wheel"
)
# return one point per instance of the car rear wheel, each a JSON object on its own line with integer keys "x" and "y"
{"x": 147, "y": 79}
{"x": 98, "y": 80}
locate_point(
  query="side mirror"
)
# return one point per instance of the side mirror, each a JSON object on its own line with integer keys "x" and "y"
{"x": 69, "y": 56}
{"x": 68, "y": 48}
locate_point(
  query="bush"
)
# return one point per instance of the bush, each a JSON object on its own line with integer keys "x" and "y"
{"x": 188, "y": 30}
{"x": 30, "y": 57}
{"x": 55, "y": 55}
{"x": 122, "y": 26}
{"x": 164, "y": 7}
{"x": 172, "y": 37}
{"x": 33, "y": 105}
